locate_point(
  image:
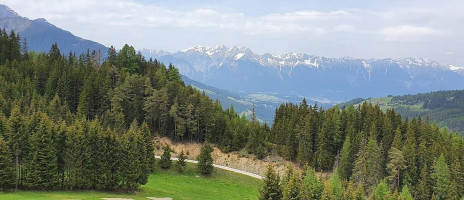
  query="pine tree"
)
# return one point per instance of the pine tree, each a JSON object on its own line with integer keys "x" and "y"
{"x": 7, "y": 168}
{"x": 360, "y": 193}
{"x": 131, "y": 167}
{"x": 368, "y": 169}
{"x": 453, "y": 191}
{"x": 148, "y": 142}
{"x": 311, "y": 188}
{"x": 292, "y": 188}
{"x": 345, "y": 166}
{"x": 336, "y": 183}
{"x": 422, "y": 188}
{"x": 43, "y": 168}
{"x": 327, "y": 192}
{"x": 271, "y": 189}
{"x": 381, "y": 192}
{"x": 409, "y": 153}
{"x": 395, "y": 167}
{"x": 205, "y": 160}
{"x": 405, "y": 194}
{"x": 165, "y": 161}
{"x": 181, "y": 162}
{"x": 442, "y": 177}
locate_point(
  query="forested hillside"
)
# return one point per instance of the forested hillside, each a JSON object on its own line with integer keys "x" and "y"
{"x": 70, "y": 122}
{"x": 378, "y": 152}
{"x": 445, "y": 108}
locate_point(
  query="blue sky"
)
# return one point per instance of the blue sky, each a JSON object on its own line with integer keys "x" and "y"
{"x": 355, "y": 28}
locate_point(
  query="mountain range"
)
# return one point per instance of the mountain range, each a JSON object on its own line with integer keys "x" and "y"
{"x": 40, "y": 34}
{"x": 237, "y": 76}
{"x": 328, "y": 80}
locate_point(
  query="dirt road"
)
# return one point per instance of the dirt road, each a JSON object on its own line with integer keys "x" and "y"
{"x": 222, "y": 167}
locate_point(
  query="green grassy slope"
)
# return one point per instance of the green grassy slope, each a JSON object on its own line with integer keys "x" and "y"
{"x": 220, "y": 185}
{"x": 446, "y": 108}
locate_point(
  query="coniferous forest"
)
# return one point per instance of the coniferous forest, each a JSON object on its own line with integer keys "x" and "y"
{"x": 70, "y": 122}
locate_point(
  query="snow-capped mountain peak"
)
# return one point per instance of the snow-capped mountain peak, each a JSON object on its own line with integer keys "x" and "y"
{"x": 240, "y": 69}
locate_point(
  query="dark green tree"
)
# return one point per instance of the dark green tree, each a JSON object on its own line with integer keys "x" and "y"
{"x": 271, "y": 189}
{"x": 43, "y": 168}
{"x": 165, "y": 161}
{"x": 205, "y": 160}
{"x": 345, "y": 166}
{"x": 442, "y": 177}
{"x": 127, "y": 60}
{"x": 180, "y": 164}
{"x": 395, "y": 167}
{"x": 7, "y": 168}
{"x": 311, "y": 188}
{"x": 405, "y": 194}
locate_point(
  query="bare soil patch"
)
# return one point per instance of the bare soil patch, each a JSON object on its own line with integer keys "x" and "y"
{"x": 238, "y": 160}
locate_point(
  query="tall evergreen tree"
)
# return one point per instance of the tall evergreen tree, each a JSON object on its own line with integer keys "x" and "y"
{"x": 345, "y": 166}
{"x": 180, "y": 164}
{"x": 311, "y": 188}
{"x": 405, "y": 194}
{"x": 165, "y": 161}
{"x": 43, "y": 168}
{"x": 442, "y": 177}
{"x": 395, "y": 167}
{"x": 205, "y": 160}
{"x": 292, "y": 187}
{"x": 7, "y": 168}
{"x": 271, "y": 189}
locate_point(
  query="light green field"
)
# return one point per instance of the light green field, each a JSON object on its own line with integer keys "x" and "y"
{"x": 220, "y": 185}
{"x": 386, "y": 103}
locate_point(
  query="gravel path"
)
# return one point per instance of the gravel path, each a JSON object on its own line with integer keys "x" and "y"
{"x": 222, "y": 167}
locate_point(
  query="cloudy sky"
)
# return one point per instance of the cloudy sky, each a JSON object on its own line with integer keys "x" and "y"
{"x": 332, "y": 28}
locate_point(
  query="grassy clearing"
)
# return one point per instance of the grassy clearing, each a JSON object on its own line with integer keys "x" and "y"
{"x": 166, "y": 183}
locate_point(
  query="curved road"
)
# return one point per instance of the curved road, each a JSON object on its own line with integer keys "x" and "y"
{"x": 222, "y": 167}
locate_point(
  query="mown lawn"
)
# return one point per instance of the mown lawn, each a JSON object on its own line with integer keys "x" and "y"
{"x": 166, "y": 183}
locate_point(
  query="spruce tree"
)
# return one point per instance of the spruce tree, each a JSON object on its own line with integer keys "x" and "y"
{"x": 181, "y": 162}
{"x": 395, "y": 167}
{"x": 7, "y": 168}
{"x": 149, "y": 148}
{"x": 442, "y": 177}
{"x": 423, "y": 188}
{"x": 368, "y": 169}
{"x": 165, "y": 161}
{"x": 131, "y": 169}
{"x": 336, "y": 183}
{"x": 205, "y": 160}
{"x": 453, "y": 191}
{"x": 292, "y": 188}
{"x": 43, "y": 168}
{"x": 311, "y": 188}
{"x": 345, "y": 166}
{"x": 271, "y": 189}
{"x": 360, "y": 193}
{"x": 327, "y": 192}
{"x": 381, "y": 192}
{"x": 405, "y": 194}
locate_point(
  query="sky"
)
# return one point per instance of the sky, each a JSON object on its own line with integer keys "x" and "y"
{"x": 331, "y": 28}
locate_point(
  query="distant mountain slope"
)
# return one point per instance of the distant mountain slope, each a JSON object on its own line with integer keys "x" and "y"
{"x": 319, "y": 78}
{"x": 444, "y": 107}
{"x": 265, "y": 104}
{"x": 40, "y": 34}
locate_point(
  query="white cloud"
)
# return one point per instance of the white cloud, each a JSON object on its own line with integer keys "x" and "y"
{"x": 353, "y": 29}
{"x": 408, "y": 31}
